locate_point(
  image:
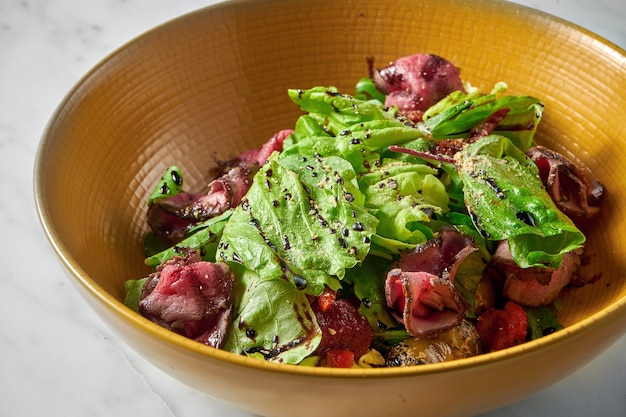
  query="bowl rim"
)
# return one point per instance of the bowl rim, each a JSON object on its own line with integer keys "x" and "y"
{"x": 81, "y": 278}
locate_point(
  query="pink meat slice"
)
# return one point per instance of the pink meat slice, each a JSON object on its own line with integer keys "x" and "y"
{"x": 420, "y": 290}
{"x": 171, "y": 218}
{"x": 416, "y": 82}
{"x": 535, "y": 286}
{"x": 190, "y": 297}
{"x": 259, "y": 156}
{"x": 567, "y": 183}
{"x": 425, "y": 303}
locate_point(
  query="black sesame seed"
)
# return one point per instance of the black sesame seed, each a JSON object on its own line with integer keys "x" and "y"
{"x": 322, "y": 220}
{"x": 358, "y": 226}
{"x": 299, "y": 282}
{"x": 178, "y": 180}
{"x": 526, "y": 217}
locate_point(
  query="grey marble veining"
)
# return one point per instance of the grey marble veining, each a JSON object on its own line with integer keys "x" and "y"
{"x": 56, "y": 357}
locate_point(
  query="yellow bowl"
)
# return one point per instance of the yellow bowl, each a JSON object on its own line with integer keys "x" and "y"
{"x": 213, "y": 83}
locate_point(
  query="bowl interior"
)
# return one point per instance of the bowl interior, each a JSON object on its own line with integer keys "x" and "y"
{"x": 213, "y": 83}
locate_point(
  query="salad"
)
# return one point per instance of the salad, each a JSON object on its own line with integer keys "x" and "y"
{"x": 414, "y": 221}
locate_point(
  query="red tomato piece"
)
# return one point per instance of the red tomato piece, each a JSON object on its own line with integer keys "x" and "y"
{"x": 501, "y": 329}
{"x": 343, "y": 328}
{"x": 338, "y": 358}
{"x": 326, "y": 299}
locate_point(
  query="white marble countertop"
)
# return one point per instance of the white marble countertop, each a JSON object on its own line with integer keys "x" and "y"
{"x": 56, "y": 357}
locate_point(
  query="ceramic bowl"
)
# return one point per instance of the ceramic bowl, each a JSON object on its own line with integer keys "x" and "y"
{"x": 213, "y": 83}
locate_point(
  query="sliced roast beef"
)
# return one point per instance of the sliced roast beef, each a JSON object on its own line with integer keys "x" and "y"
{"x": 171, "y": 218}
{"x": 535, "y": 286}
{"x": 487, "y": 126}
{"x": 440, "y": 255}
{"x": 425, "y": 303}
{"x": 259, "y": 156}
{"x": 567, "y": 183}
{"x": 416, "y": 82}
{"x": 190, "y": 297}
{"x": 420, "y": 290}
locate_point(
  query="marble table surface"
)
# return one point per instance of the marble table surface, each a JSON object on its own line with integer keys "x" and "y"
{"x": 56, "y": 357}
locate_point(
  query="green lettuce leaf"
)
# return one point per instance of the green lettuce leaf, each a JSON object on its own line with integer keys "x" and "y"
{"x": 404, "y": 197}
{"x": 339, "y": 110}
{"x": 204, "y": 237}
{"x": 457, "y": 114}
{"x": 368, "y": 284}
{"x": 132, "y": 291}
{"x": 455, "y": 98}
{"x": 171, "y": 183}
{"x": 365, "y": 89}
{"x": 307, "y": 226}
{"x": 342, "y": 125}
{"x": 542, "y": 321}
{"x": 271, "y": 318}
{"x": 467, "y": 278}
{"x": 507, "y": 201}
